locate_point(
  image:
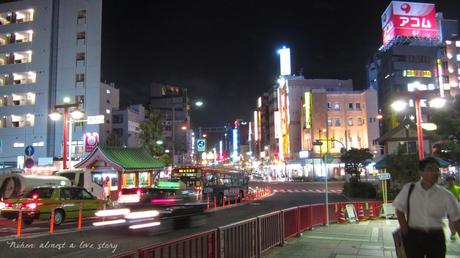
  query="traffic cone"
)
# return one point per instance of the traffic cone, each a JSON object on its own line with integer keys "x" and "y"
{"x": 361, "y": 213}
{"x": 370, "y": 213}
{"x": 341, "y": 217}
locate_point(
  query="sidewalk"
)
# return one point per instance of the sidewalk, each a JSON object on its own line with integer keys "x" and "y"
{"x": 367, "y": 239}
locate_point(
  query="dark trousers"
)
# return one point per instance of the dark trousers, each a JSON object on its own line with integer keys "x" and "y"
{"x": 429, "y": 244}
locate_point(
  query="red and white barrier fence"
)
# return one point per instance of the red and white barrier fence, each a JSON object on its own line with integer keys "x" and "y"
{"x": 252, "y": 237}
{"x": 201, "y": 245}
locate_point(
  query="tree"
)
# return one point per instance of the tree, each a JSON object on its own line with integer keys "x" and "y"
{"x": 355, "y": 160}
{"x": 403, "y": 168}
{"x": 447, "y": 120}
{"x": 151, "y": 131}
{"x": 450, "y": 151}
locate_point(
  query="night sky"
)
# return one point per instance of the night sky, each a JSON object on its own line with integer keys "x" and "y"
{"x": 225, "y": 51}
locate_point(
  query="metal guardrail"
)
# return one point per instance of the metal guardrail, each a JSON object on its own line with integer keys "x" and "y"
{"x": 200, "y": 245}
{"x": 252, "y": 237}
{"x": 240, "y": 239}
{"x": 271, "y": 230}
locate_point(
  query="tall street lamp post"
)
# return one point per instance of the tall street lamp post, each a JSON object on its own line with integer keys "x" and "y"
{"x": 55, "y": 115}
{"x": 400, "y": 105}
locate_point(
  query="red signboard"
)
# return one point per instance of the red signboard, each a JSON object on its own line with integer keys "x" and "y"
{"x": 91, "y": 140}
{"x": 409, "y": 20}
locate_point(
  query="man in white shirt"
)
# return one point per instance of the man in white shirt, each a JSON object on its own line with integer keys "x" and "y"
{"x": 429, "y": 203}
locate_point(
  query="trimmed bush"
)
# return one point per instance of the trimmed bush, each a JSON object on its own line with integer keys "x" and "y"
{"x": 355, "y": 189}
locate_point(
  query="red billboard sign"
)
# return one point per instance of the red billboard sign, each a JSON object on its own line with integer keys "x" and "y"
{"x": 409, "y": 20}
{"x": 91, "y": 140}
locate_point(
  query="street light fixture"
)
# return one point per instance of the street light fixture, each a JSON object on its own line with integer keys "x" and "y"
{"x": 418, "y": 95}
{"x": 55, "y": 115}
{"x": 199, "y": 103}
{"x": 429, "y": 126}
{"x": 75, "y": 114}
{"x": 399, "y": 105}
{"x": 437, "y": 102}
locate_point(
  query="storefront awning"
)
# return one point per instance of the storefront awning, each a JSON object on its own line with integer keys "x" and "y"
{"x": 383, "y": 163}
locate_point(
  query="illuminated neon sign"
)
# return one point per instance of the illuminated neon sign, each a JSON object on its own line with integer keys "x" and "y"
{"x": 308, "y": 108}
{"x": 285, "y": 61}
{"x": 409, "y": 19}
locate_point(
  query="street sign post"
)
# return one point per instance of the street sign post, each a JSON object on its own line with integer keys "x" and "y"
{"x": 29, "y": 163}
{"x": 201, "y": 145}
{"x": 29, "y": 150}
{"x": 384, "y": 177}
{"x": 327, "y": 158}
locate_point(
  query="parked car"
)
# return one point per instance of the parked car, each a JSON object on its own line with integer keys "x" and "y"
{"x": 40, "y": 201}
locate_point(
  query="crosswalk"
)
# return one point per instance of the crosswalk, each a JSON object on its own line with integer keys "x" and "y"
{"x": 305, "y": 191}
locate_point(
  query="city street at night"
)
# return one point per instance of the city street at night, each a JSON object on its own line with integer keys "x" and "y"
{"x": 120, "y": 239}
{"x": 229, "y": 129}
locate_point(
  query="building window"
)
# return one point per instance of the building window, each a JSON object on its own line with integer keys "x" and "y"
{"x": 360, "y": 121}
{"x": 80, "y": 99}
{"x": 329, "y": 122}
{"x": 80, "y": 56}
{"x": 81, "y": 14}
{"x": 350, "y": 106}
{"x": 118, "y": 132}
{"x": 336, "y": 106}
{"x": 358, "y": 106}
{"x": 337, "y": 121}
{"x": 81, "y": 17}
{"x": 38, "y": 144}
{"x": 350, "y": 121}
{"x": 80, "y": 77}
{"x": 18, "y": 145}
{"x": 329, "y": 106}
{"x": 81, "y": 35}
{"x": 117, "y": 119}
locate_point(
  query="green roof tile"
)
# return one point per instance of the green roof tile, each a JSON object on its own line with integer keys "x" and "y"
{"x": 131, "y": 158}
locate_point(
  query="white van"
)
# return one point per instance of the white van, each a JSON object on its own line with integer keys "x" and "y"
{"x": 83, "y": 178}
{"x": 93, "y": 180}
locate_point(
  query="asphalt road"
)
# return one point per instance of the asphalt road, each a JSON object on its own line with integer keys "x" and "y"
{"x": 107, "y": 241}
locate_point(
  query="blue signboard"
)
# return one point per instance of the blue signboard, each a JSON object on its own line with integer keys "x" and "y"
{"x": 201, "y": 145}
{"x": 29, "y": 151}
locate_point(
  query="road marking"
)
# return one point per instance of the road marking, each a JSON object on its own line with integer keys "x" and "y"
{"x": 304, "y": 191}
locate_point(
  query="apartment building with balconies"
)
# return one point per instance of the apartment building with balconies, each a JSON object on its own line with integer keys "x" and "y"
{"x": 49, "y": 50}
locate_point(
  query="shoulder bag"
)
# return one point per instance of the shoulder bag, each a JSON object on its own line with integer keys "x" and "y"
{"x": 397, "y": 234}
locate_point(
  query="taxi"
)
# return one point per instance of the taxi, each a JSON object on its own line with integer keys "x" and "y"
{"x": 40, "y": 201}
